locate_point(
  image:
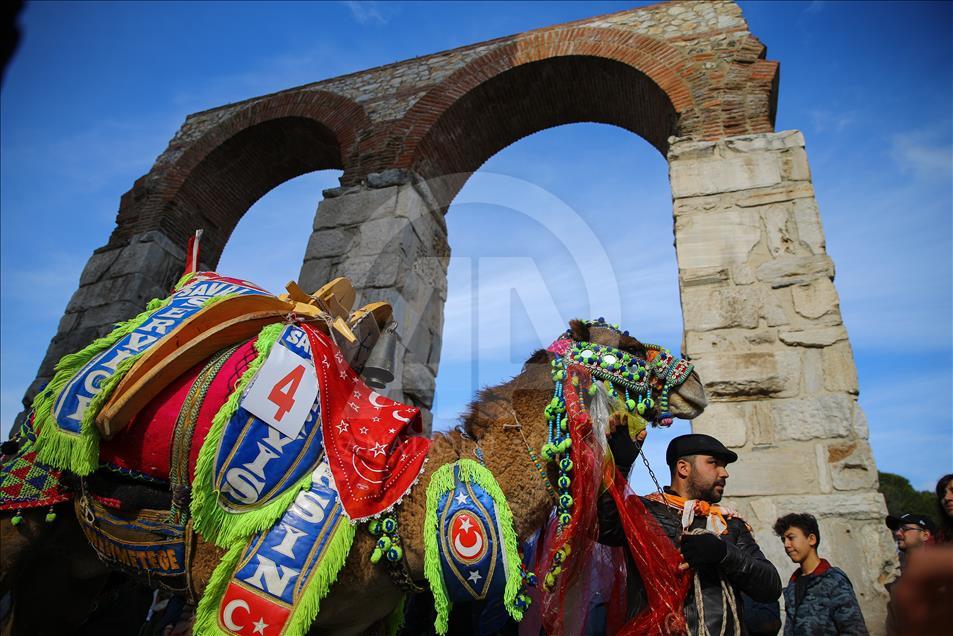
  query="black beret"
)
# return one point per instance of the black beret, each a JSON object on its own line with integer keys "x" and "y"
{"x": 697, "y": 444}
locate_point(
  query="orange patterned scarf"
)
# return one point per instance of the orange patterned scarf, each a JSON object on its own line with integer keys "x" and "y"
{"x": 717, "y": 515}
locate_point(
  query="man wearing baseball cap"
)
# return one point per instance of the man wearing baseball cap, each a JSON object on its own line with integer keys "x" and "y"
{"x": 912, "y": 532}
{"x": 716, "y": 544}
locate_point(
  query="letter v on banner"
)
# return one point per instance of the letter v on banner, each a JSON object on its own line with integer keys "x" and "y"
{"x": 283, "y": 391}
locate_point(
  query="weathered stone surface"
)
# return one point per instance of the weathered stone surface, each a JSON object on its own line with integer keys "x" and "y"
{"x": 794, "y": 270}
{"x": 750, "y": 374}
{"x": 702, "y": 343}
{"x": 855, "y": 506}
{"x": 780, "y": 230}
{"x": 703, "y": 276}
{"x": 788, "y": 191}
{"x": 97, "y": 265}
{"x": 808, "y": 220}
{"x": 388, "y": 178}
{"x": 355, "y": 208}
{"x": 784, "y": 470}
{"x": 814, "y": 417}
{"x": 726, "y": 421}
{"x": 852, "y": 465}
{"x": 716, "y": 239}
{"x": 389, "y": 234}
{"x": 818, "y": 337}
{"x": 329, "y": 242}
{"x": 419, "y": 382}
{"x": 775, "y": 306}
{"x": 840, "y": 372}
{"x": 741, "y": 144}
{"x": 710, "y": 307}
{"x": 370, "y": 271}
{"x": 812, "y": 371}
{"x": 783, "y": 140}
{"x": 816, "y": 298}
{"x": 315, "y": 273}
{"x": 693, "y": 177}
{"x": 794, "y": 166}
{"x": 742, "y": 275}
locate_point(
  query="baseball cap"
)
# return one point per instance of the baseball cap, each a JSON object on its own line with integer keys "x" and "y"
{"x": 925, "y": 523}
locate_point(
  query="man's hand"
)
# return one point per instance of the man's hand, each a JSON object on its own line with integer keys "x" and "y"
{"x": 624, "y": 449}
{"x": 702, "y": 549}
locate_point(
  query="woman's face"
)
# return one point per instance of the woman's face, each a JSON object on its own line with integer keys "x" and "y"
{"x": 947, "y": 500}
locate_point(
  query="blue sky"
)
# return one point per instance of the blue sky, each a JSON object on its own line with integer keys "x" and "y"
{"x": 96, "y": 90}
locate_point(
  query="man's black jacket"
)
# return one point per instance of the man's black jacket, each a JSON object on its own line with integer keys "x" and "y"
{"x": 744, "y": 567}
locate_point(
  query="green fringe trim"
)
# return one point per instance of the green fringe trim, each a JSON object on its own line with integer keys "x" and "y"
{"x": 481, "y": 476}
{"x": 79, "y": 453}
{"x": 212, "y": 521}
{"x": 443, "y": 481}
{"x": 186, "y": 278}
{"x": 395, "y": 620}
{"x": 309, "y": 604}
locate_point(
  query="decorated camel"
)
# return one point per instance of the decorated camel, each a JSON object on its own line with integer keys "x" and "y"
{"x": 325, "y": 523}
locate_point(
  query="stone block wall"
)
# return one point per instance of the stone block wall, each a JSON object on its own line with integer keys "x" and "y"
{"x": 389, "y": 237}
{"x": 764, "y": 328}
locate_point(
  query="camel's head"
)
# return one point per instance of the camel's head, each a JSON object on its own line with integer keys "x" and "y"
{"x": 646, "y": 382}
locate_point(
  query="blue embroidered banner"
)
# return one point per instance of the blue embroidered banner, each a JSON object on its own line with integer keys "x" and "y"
{"x": 72, "y": 402}
{"x": 469, "y": 542}
{"x": 255, "y": 462}
{"x": 276, "y": 570}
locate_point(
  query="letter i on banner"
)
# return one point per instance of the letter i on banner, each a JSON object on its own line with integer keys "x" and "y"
{"x": 283, "y": 391}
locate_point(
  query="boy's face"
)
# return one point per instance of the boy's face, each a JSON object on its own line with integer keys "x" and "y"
{"x": 797, "y": 544}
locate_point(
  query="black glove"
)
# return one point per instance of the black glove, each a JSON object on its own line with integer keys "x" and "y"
{"x": 624, "y": 450}
{"x": 703, "y": 549}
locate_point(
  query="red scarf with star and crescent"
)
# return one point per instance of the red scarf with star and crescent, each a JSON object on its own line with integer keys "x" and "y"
{"x": 372, "y": 442}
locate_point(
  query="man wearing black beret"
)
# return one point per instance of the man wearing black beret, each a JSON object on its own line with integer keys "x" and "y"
{"x": 715, "y": 543}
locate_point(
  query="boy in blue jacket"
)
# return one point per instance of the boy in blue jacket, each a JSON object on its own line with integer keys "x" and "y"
{"x": 819, "y": 599}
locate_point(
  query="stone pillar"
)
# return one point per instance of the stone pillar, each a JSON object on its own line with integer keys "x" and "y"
{"x": 763, "y": 326}
{"x": 389, "y": 237}
{"x": 116, "y": 284}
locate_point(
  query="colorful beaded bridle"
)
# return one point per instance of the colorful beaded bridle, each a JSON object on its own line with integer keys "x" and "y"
{"x": 621, "y": 373}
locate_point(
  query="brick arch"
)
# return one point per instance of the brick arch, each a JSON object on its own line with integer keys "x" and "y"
{"x": 214, "y": 179}
{"x": 648, "y": 95}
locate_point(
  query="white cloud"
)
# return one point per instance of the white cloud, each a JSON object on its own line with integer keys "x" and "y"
{"x": 366, "y": 12}
{"x": 924, "y": 153}
{"x": 831, "y": 121}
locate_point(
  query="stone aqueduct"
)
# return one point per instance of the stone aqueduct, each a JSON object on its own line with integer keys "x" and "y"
{"x": 761, "y": 313}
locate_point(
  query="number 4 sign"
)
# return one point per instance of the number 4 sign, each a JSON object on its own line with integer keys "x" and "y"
{"x": 283, "y": 391}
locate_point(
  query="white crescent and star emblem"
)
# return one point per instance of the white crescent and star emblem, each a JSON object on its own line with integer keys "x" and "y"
{"x": 401, "y": 418}
{"x": 260, "y": 626}
{"x": 229, "y": 610}
{"x": 468, "y": 534}
{"x": 367, "y": 473}
{"x": 372, "y": 398}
